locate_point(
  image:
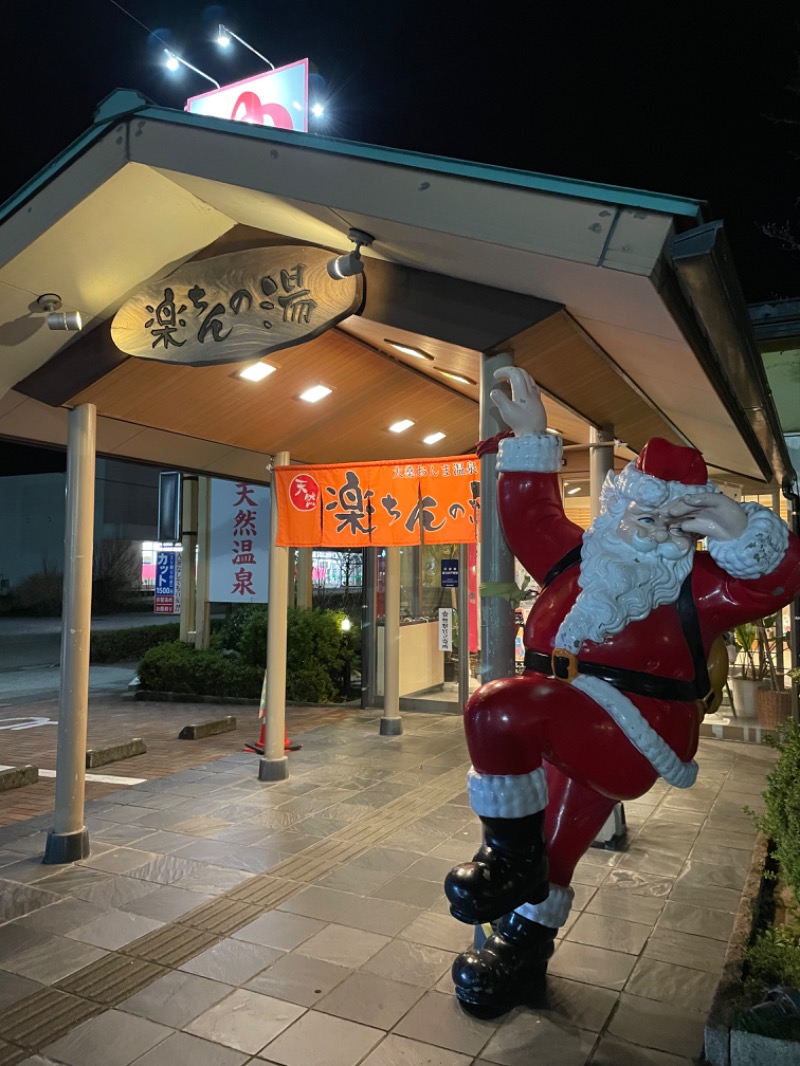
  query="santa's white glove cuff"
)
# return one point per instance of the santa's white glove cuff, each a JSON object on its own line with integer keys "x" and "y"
{"x": 538, "y": 453}
{"x": 758, "y": 550}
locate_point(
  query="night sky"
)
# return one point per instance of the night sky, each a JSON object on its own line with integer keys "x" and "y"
{"x": 693, "y": 99}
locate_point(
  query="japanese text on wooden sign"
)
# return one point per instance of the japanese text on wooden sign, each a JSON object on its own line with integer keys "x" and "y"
{"x": 414, "y": 501}
{"x": 236, "y": 306}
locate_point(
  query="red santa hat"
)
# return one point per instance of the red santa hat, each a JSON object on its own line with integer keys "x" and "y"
{"x": 663, "y": 471}
{"x": 672, "y": 462}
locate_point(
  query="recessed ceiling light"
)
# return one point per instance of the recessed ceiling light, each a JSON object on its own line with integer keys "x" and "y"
{"x": 318, "y": 392}
{"x": 433, "y": 438}
{"x": 257, "y": 372}
{"x": 403, "y": 424}
{"x": 408, "y": 350}
{"x": 458, "y": 377}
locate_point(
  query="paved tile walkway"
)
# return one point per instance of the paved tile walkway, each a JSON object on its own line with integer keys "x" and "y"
{"x": 221, "y": 921}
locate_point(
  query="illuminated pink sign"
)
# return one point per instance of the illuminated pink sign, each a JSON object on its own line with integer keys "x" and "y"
{"x": 277, "y": 98}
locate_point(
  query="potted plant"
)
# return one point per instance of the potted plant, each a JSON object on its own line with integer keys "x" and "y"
{"x": 751, "y": 671}
{"x": 758, "y": 690}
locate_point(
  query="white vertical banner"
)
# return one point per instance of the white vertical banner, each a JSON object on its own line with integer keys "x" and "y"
{"x": 239, "y": 548}
{"x": 445, "y": 629}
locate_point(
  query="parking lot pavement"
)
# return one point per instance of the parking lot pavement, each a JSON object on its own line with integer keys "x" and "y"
{"x": 28, "y": 737}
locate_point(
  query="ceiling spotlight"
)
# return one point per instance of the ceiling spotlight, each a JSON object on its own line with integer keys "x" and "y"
{"x": 317, "y": 109}
{"x": 433, "y": 438}
{"x": 406, "y": 349}
{"x": 317, "y": 392}
{"x": 401, "y": 426}
{"x": 257, "y": 371}
{"x": 223, "y": 37}
{"x": 350, "y": 264}
{"x": 457, "y": 377}
{"x": 56, "y": 318}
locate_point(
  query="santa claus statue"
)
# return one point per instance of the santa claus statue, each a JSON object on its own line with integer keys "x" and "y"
{"x": 615, "y": 682}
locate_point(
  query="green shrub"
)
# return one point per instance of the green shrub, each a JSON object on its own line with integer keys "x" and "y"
{"x": 774, "y": 957}
{"x": 253, "y": 637}
{"x": 317, "y": 651}
{"x": 129, "y": 645}
{"x": 230, "y": 628}
{"x": 771, "y": 961}
{"x": 780, "y": 820}
{"x": 181, "y": 668}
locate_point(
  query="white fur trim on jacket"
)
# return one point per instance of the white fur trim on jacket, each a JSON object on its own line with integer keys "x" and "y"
{"x": 639, "y": 732}
{"x": 538, "y": 453}
{"x": 507, "y": 795}
{"x": 554, "y": 911}
{"x": 758, "y": 550}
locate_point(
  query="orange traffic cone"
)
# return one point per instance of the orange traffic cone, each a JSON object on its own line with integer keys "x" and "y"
{"x": 260, "y": 745}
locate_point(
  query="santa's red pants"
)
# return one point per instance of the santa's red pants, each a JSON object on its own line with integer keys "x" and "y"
{"x": 515, "y": 723}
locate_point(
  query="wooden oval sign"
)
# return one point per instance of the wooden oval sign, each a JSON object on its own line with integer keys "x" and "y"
{"x": 236, "y": 307}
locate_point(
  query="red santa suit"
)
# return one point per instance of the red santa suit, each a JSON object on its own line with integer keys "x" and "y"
{"x": 578, "y": 746}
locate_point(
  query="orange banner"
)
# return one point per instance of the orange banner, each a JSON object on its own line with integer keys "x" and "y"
{"x": 382, "y": 504}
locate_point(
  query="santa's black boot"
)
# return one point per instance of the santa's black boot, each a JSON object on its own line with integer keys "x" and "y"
{"x": 507, "y": 971}
{"x": 508, "y": 870}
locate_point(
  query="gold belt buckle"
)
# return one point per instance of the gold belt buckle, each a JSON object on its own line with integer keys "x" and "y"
{"x": 564, "y": 665}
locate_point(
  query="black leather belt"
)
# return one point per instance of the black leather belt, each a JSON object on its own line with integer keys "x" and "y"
{"x": 564, "y": 666}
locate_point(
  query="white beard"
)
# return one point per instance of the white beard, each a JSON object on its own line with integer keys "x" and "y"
{"x": 619, "y": 584}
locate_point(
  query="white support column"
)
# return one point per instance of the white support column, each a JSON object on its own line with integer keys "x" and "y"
{"x": 274, "y": 766}
{"x": 188, "y": 559}
{"x": 391, "y": 722}
{"x": 68, "y": 840}
{"x": 304, "y": 586}
{"x": 202, "y": 623}
{"x": 601, "y": 462}
{"x": 496, "y": 563}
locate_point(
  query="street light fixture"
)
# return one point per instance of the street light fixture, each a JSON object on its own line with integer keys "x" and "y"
{"x": 174, "y": 61}
{"x": 224, "y": 39}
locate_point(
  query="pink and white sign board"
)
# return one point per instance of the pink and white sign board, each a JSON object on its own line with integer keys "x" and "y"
{"x": 277, "y": 98}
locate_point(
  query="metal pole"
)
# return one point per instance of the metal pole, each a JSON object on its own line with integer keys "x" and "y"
{"x": 601, "y": 462}
{"x": 462, "y": 606}
{"x": 391, "y": 722}
{"x": 202, "y": 627}
{"x": 369, "y": 610}
{"x": 188, "y": 559}
{"x": 274, "y": 766}
{"x": 68, "y": 840}
{"x": 496, "y": 561}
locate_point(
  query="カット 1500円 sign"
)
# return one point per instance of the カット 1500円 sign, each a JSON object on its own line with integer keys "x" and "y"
{"x": 237, "y": 306}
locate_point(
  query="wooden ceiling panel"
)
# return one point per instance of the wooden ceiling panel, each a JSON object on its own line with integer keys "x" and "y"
{"x": 369, "y": 393}
{"x": 573, "y": 370}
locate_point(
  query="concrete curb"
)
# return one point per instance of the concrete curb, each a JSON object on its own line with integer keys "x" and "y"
{"x": 114, "y": 752}
{"x": 192, "y": 697}
{"x": 208, "y": 729}
{"x": 17, "y": 776}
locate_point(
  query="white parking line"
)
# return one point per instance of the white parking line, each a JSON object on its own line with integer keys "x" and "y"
{"x": 102, "y": 779}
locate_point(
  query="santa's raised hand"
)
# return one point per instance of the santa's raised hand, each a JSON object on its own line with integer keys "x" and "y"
{"x": 524, "y": 411}
{"x": 709, "y": 514}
